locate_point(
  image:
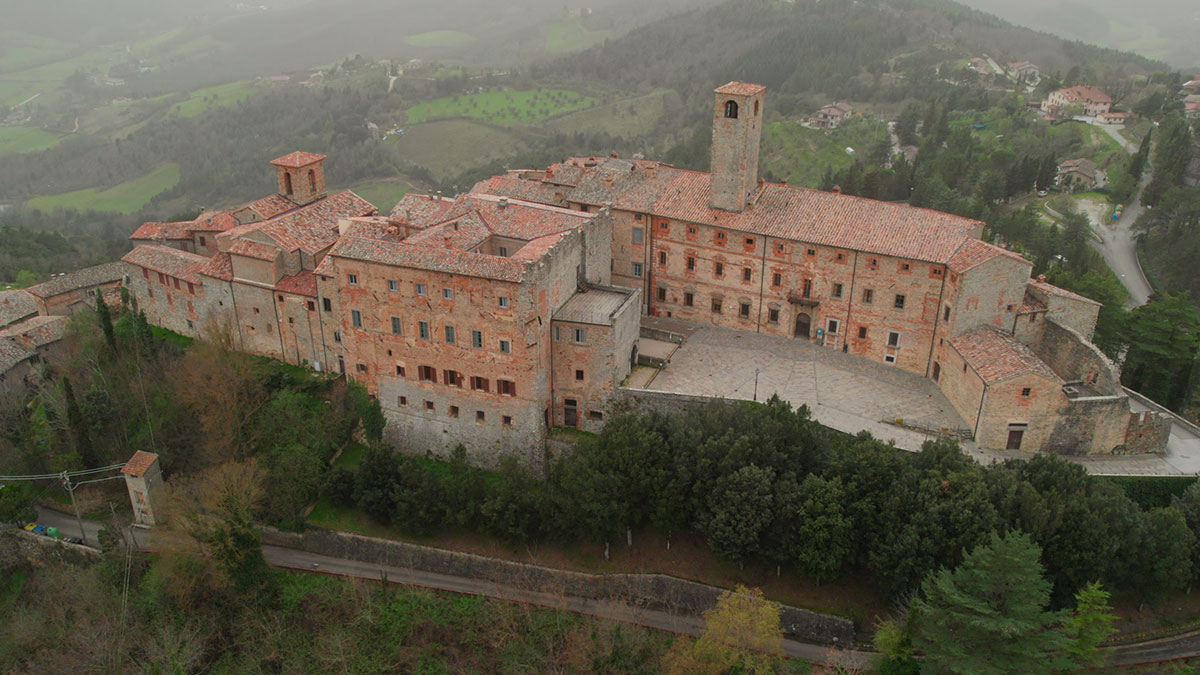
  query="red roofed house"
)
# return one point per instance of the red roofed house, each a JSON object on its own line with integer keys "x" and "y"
{"x": 1092, "y": 100}
{"x": 830, "y": 116}
{"x": 143, "y": 478}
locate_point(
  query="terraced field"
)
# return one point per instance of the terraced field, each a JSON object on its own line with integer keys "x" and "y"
{"x": 449, "y": 147}
{"x": 503, "y": 106}
{"x": 220, "y": 95}
{"x": 631, "y": 117}
{"x": 26, "y": 139}
{"x": 126, "y": 197}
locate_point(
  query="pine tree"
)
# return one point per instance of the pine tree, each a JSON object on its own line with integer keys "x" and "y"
{"x": 77, "y": 427}
{"x": 1090, "y": 625}
{"x": 990, "y": 614}
{"x": 1164, "y": 336}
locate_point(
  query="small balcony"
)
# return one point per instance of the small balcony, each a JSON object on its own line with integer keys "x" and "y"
{"x": 799, "y": 298}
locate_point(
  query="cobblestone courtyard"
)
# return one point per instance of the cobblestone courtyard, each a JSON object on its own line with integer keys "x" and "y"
{"x": 851, "y": 394}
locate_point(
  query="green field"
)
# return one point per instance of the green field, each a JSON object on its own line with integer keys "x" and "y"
{"x": 127, "y": 197}
{"x": 19, "y": 51}
{"x": 203, "y": 99}
{"x": 802, "y": 156}
{"x": 628, "y": 118}
{"x": 383, "y": 193}
{"x": 440, "y": 38}
{"x": 502, "y": 106}
{"x": 26, "y": 139}
{"x": 449, "y": 147}
{"x": 571, "y": 36}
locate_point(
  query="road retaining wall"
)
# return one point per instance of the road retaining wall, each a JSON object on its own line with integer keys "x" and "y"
{"x": 651, "y": 591}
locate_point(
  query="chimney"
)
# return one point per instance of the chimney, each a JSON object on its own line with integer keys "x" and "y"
{"x": 614, "y": 155}
{"x": 448, "y": 240}
{"x": 837, "y": 189}
{"x": 549, "y": 173}
{"x": 503, "y": 202}
{"x": 608, "y": 179}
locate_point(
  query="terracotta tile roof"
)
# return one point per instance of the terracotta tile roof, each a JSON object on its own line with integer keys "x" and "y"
{"x": 310, "y": 228}
{"x": 736, "y": 88}
{"x": 107, "y": 273}
{"x": 271, "y": 206}
{"x": 997, "y": 356}
{"x": 1051, "y": 289}
{"x": 974, "y": 252}
{"x": 295, "y": 160}
{"x": 19, "y": 343}
{"x": 160, "y": 231}
{"x": 463, "y": 232}
{"x": 515, "y": 187}
{"x": 781, "y": 211}
{"x": 139, "y": 464}
{"x": 11, "y": 354}
{"x": 214, "y": 221}
{"x": 538, "y": 247}
{"x": 220, "y": 266}
{"x": 16, "y": 305}
{"x": 304, "y": 283}
{"x": 403, "y": 254}
{"x": 421, "y": 210}
{"x": 170, "y": 261}
{"x": 1082, "y": 165}
{"x": 1082, "y": 93}
{"x": 254, "y": 249}
{"x": 1031, "y": 305}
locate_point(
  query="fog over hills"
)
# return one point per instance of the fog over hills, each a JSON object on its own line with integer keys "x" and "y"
{"x": 1160, "y": 29}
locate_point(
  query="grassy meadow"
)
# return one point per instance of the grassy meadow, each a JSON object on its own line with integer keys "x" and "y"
{"x": 126, "y": 197}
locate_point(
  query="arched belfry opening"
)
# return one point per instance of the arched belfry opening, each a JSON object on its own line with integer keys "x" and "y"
{"x": 736, "y": 132}
{"x": 287, "y": 184}
{"x": 731, "y": 110}
{"x": 301, "y": 176}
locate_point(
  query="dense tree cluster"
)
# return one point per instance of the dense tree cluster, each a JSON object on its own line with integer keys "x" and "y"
{"x": 766, "y": 483}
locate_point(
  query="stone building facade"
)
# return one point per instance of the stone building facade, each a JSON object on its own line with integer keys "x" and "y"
{"x": 488, "y": 318}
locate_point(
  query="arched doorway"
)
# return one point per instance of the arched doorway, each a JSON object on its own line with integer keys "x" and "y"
{"x": 803, "y": 325}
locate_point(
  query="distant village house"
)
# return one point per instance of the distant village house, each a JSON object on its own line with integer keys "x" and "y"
{"x": 1093, "y": 100}
{"x": 830, "y": 116}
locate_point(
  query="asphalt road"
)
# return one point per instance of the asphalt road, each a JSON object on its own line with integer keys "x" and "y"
{"x": 1119, "y": 249}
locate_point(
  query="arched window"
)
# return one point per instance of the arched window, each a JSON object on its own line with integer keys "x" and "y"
{"x": 731, "y": 109}
{"x": 287, "y": 183}
{"x": 312, "y": 180}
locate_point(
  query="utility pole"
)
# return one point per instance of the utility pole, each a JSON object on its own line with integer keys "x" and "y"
{"x": 756, "y": 385}
{"x": 66, "y": 481}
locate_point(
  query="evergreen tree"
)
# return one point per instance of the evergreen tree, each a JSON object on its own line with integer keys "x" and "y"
{"x": 990, "y": 614}
{"x": 1089, "y": 626}
{"x": 77, "y": 427}
{"x": 1164, "y": 335}
{"x": 106, "y": 324}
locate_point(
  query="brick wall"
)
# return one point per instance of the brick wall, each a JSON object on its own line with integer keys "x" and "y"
{"x": 183, "y": 310}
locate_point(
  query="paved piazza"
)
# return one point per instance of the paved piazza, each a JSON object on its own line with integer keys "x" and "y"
{"x": 852, "y": 394}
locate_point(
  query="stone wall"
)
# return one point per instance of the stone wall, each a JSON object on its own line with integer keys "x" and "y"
{"x": 1089, "y": 426}
{"x": 1148, "y": 432}
{"x": 651, "y": 591}
{"x": 1076, "y": 360}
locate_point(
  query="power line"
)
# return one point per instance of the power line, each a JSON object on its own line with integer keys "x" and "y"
{"x": 68, "y": 474}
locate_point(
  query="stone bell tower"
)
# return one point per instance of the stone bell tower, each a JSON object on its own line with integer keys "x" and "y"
{"x": 301, "y": 176}
{"x": 737, "y": 129}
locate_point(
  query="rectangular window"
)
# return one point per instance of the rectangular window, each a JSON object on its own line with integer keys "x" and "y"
{"x": 721, "y": 238}
{"x": 427, "y": 373}
{"x": 447, "y": 294}
{"x": 580, "y": 335}
{"x": 400, "y": 371}
{"x": 868, "y": 296}
{"x": 505, "y": 347}
{"x": 905, "y": 267}
{"x": 557, "y": 333}
{"x": 637, "y": 269}
{"x": 452, "y": 378}
{"x": 749, "y": 241}
{"x": 873, "y": 263}
{"x": 401, "y": 400}
{"x": 449, "y": 335}
{"x": 360, "y": 367}
{"x": 356, "y": 318}
{"x": 454, "y": 411}
{"x": 661, "y": 293}
{"x": 145, "y": 274}
{"x": 662, "y": 257}
{"x": 893, "y": 338}
{"x": 503, "y": 251}
{"x": 862, "y": 332}
{"x": 637, "y": 235}
{"x": 191, "y": 288}
{"x": 506, "y": 387}
{"x": 502, "y": 301}
{"x": 810, "y": 252}
{"x": 720, "y": 269}
{"x": 176, "y": 283}
{"x": 837, "y": 290}
{"x": 506, "y": 420}
{"x": 352, "y": 279}
{"x": 420, "y": 289}
{"x": 841, "y": 257}
{"x": 162, "y": 278}
{"x": 806, "y": 291}
{"x": 898, "y": 303}
{"x": 689, "y": 299}
{"x": 396, "y": 326}
{"x": 777, "y": 280}
{"x": 746, "y": 274}
{"x": 203, "y": 241}
{"x": 744, "y": 310}
{"x": 889, "y": 358}
{"x": 479, "y": 383}
{"x": 691, "y": 263}
{"x": 326, "y": 304}
{"x": 578, "y": 375}
{"x": 833, "y": 326}
{"x": 480, "y": 416}
{"x": 477, "y": 339}
{"x": 429, "y": 405}
{"x": 773, "y": 315}
{"x": 1026, "y": 392}
{"x": 312, "y": 306}
{"x": 716, "y": 305}
{"x": 337, "y": 336}
{"x": 595, "y": 415}
{"x": 393, "y": 285}
{"x": 423, "y": 330}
